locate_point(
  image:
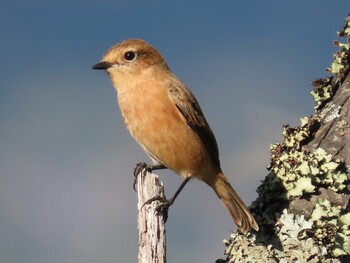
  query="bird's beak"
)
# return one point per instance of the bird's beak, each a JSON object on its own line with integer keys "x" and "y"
{"x": 102, "y": 65}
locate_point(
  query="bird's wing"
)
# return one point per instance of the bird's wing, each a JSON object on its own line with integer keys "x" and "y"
{"x": 187, "y": 104}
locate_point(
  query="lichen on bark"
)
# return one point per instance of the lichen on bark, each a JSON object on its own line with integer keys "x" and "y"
{"x": 303, "y": 203}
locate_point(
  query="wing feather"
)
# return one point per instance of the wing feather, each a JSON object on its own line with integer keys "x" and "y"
{"x": 188, "y": 106}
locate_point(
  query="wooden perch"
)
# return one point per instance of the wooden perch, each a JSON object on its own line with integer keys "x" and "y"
{"x": 151, "y": 224}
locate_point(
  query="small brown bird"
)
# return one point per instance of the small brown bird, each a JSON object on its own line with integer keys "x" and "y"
{"x": 165, "y": 118}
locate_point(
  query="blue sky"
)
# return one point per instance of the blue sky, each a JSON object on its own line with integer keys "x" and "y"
{"x": 66, "y": 159}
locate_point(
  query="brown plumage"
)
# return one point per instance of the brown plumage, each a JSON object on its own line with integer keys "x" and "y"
{"x": 165, "y": 118}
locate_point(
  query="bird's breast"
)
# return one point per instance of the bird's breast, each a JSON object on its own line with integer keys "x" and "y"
{"x": 156, "y": 124}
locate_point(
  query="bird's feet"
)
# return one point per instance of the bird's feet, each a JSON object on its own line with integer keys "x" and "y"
{"x": 144, "y": 167}
{"x": 163, "y": 207}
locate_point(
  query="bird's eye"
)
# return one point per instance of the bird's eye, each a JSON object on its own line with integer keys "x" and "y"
{"x": 130, "y": 55}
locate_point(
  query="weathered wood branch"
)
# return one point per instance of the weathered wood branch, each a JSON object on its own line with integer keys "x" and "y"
{"x": 151, "y": 224}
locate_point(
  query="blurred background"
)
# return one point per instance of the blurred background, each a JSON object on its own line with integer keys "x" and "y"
{"x": 66, "y": 159}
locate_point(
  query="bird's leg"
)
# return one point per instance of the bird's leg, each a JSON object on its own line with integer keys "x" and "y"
{"x": 166, "y": 203}
{"x": 144, "y": 167}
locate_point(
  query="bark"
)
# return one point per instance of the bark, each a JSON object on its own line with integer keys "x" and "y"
{"x": 303, "y": 205}
{"x": 151, "y": 223}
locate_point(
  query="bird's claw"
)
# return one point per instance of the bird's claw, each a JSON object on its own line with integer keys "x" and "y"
{"x": 144, "y": 167}
{"x": 140, "y": 167}
{"x": 162, "y": 208}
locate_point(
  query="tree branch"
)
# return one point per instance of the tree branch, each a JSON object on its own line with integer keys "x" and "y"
{"x": 151, "y": 224}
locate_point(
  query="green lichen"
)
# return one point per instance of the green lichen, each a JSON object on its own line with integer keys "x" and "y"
{"x": 345, "y": 32}
{"x": 244, "y": 249}
{"x": 297, "y": 246}
{"x": 331, "y": 227}
{"x": 303, "y": 172}
{"x": 337, "y": 64}
{"x": 297, "y": 174}
{"x": 324, "y": 89}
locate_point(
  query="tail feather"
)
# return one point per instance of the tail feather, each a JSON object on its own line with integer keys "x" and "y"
{"x": 234, "y": 204}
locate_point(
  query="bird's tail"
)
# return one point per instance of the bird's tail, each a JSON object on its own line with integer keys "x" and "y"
{"x": 233, "y": 203}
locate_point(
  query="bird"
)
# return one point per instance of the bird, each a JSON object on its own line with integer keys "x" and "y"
{"x": 166, "y": 120}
